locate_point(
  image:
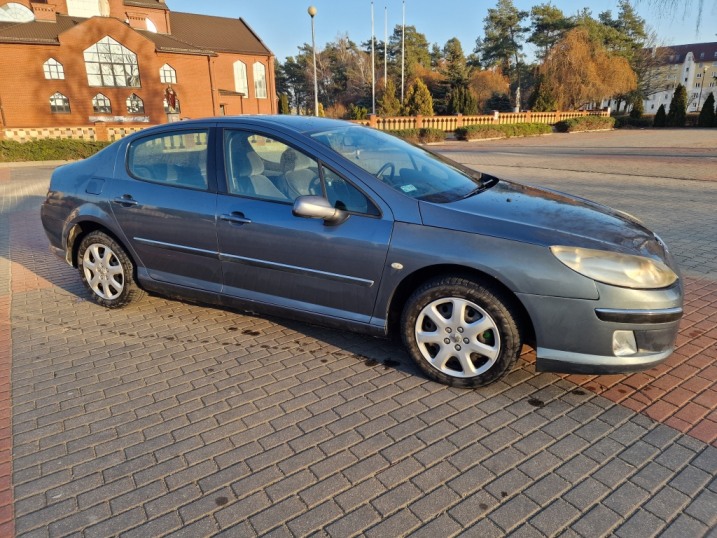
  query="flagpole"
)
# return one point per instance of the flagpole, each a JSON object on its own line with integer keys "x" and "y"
{"x": 403, "y": 51}
{"x": 385, "y": 46}
{"x": 373, "y": 66}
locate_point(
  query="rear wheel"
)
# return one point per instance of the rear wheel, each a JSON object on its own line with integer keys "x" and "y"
{"x": 107, "y": 271}
{"x": 461, "y": 332}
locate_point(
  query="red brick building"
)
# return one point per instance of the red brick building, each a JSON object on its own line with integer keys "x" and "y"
{"x": 78, "y": 62}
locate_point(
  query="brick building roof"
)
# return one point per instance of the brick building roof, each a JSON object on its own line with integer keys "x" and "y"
{"x": 220, "y": 34}
{"x": 37, "y": 31}
{"x": 191, "y": 33}
{"x": 154, "y": 4}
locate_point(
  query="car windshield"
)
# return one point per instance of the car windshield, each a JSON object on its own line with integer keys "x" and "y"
{"x": 409, "y": 169}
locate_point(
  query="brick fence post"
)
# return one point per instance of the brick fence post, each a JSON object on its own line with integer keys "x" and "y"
{"x": 372, "y": 121}
{"x": 101, "y": 133}
{"x": 529, "y": 116}
{"x": 459, "y": 121}
{"x": 419, "y": 121}
{"x": 557, "y": 116}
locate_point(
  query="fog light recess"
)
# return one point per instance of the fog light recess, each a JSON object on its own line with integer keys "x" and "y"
{"x": 623, "y": 343}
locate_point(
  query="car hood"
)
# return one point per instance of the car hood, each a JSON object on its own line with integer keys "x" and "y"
{"x": 544, "y": 217}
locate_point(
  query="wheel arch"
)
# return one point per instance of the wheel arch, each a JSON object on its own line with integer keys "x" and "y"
{"x": 80, "y": 230}
{"x": 417, "y": 278}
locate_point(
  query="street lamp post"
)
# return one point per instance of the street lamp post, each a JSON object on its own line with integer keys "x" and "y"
{"x": 702, "y": 84}
{"x": 312, "y": 12}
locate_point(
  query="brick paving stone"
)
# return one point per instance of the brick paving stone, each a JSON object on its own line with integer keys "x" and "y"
{"x": 599, "y": 521}
{"x": 512, "y": 513}
{"x": 553, "y": 518}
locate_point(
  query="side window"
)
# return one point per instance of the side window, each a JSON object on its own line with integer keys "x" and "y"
{"x": 178, "y": 159}
{"x": 261, "y": 167}
{"x": 345, "y": 196}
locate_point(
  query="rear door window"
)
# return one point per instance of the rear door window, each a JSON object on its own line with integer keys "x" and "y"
{"x": 175, "y": 158}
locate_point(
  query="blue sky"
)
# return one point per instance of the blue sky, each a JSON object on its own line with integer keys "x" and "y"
{"x": 285, "y": 24}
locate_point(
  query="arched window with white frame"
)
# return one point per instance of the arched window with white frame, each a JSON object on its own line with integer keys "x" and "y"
{"x": 135, "y": 105}
{"x": 14, "y": 12}
{"x": 260, "y": 80}
{"x": 167, "y": 74}
{"x": 241, "y": 85}
{"x": 53, "y": 70}
{"x": 101, "y": 104}
{"x": 59, "y": 104}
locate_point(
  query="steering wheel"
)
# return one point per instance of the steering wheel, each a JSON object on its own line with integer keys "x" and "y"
{"x": 383, "y": 169}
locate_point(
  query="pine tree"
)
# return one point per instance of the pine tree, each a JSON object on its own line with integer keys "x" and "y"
{"x": 389, "y": 105}
{"x": 637, "y": 108}
{"x": 418, "y": 100}
{"x": 677, "y": 116}
{"x": 542, "y": 100}
{"x": 462, "y": 101}
{"x": 284, "y": 104}
{"x": 707, "y": 114}
{"x": 660, "y": 118}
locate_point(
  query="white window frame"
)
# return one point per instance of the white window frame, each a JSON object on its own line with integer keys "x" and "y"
{"x": 259, "y": 80}
{"x": 111, "y": 64}
{"x": 101, "y": 104}
{"x": 167, "y": 74}
{"x": 241, "y": 82}
{"x": 53, "y": 70}
{"x": 59, "y": 104}
{"x": 135, "y": 104}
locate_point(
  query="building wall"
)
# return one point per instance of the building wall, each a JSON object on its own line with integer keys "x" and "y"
{"x": 26, "y": 103}
{"x": 224, "y": 80}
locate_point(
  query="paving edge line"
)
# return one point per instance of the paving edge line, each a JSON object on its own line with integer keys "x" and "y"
{"x": 7, "y": 502}
{"x": 34, "y": 164}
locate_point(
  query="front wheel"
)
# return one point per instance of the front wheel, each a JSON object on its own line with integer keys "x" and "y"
{"x": 460, "y": 332}
{"x": 107, "y": 271}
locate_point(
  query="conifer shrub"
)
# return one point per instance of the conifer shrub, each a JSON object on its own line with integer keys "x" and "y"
{"x": 677, "y": 116}
{"x": 660, "y": 117}
{"x": 707, "y": 114}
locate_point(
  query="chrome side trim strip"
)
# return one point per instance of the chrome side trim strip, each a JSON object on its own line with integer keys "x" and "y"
{"x": 297, "y": 270}
{"x": 177, "y": 248}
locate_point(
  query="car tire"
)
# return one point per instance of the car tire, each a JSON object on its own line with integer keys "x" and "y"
{"x": 107, "y": 271}
{"x": 461, "y": 332}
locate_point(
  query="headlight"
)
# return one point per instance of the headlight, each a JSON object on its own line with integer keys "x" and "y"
{"x": 617, "y": 269}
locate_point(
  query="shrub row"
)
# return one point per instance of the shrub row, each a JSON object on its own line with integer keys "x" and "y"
{"x": 420, "y": 136}
{"x": 477, "y": 132}
{"x": 48, "y": 150}
{"x": 627, "y": 122}
{"x": 584, "y": 123}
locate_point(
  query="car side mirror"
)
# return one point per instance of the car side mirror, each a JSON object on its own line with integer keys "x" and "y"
{"x": 318, "y": 207}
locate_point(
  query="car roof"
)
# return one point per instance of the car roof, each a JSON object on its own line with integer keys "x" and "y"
{"x": 298, "y": 124}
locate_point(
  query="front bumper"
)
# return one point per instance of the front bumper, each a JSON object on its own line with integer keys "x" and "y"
{"x": 577, "y": 336}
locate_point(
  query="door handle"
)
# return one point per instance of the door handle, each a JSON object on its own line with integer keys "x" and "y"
{"x": 236, "y": 217}
{"x": 125, "y": 200}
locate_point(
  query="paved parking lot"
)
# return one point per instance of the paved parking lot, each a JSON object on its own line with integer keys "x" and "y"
{"x": 166, "y": 418}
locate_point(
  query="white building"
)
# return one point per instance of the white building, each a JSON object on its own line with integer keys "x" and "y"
{"x": 693, "y": 65}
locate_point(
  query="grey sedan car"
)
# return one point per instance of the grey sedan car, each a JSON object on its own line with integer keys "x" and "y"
{"x": 334, "y": 223}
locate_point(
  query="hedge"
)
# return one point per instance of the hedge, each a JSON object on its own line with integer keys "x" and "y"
{"x": 477, "y": 132}
{"x": 420, "y": 136}
{"x": 626, "y": 122}
{"x": 48, "y": 150}
{"x": 584, "y": 123}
